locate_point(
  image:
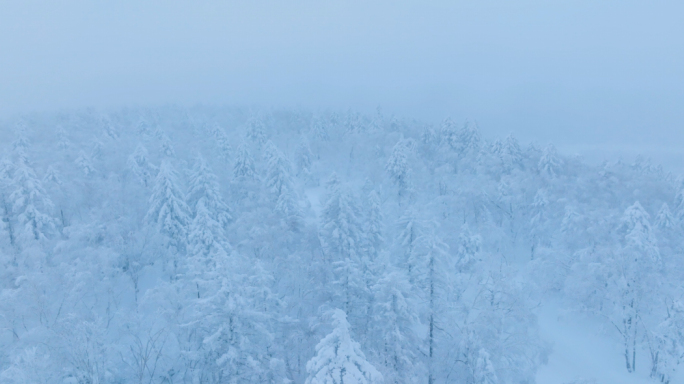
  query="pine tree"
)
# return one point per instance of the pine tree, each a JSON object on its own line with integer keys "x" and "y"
{"x": 634, "y": 278}
{"x": 549, "y": 163}
{"x": 304, "y": 158}
{"x": 143, "y": 127}
{"x": 484, "y": 370}
{"x": 397, "y": 166}
{"x": 279, "y": 181}
{"x": 410, "y": 233}
{"x": 204, "y": 186}
{"x": 63, "y": 142}
{"x": 222, "y": 142}
{"x": 140, "y": 164}
{"x": 374, "y": 226}
{"x": 340, "y": 229}
{"x": 165, "y": 144}
{"x": 448, "y": 136}
{"x": 339, "y": 358}
{"x": 256, "y": 129}
{"x": 341, "y": 236}
{"x": 85, "y": 163}
{"x": 394, "y": 323}
{"x": 30, "y": 203}
{"x": 664, "y": 219}
{"x": 279, "y": 171}
{"x": 431, "y": 278}
{"x": 469, "y": 139}
{"x": 238, "y": 338}
{"x": 679, "y": 205}
{"x": 468, "y": 248}
{"x": 168, "y": 210}
{"x": 319, "y": 129}
{"x": 6, "y": 171}
{"x": 207, "y": 247}
{"x": 109, "y": 128}
{"x": 639, "y": 234}
{"x": 244, "y": 164}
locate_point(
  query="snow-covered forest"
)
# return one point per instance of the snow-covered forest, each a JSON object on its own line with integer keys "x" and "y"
{"x": 225, "y": 245}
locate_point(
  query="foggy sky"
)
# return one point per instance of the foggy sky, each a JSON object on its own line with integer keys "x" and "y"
{"x": 586, "y": 75}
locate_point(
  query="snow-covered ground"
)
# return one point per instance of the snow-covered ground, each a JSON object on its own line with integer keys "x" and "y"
{"x": 581, "y": 349}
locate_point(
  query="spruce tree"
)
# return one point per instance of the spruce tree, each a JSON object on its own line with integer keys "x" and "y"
{"x": 339, "y": 359}
{"x": 168, "y": 210}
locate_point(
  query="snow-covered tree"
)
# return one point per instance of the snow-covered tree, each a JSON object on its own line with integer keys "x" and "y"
{"x": 410, "y": 232}
{"x": 165, "y": 145}
{"x": 85, "y": 163}
{"x": 279, "y": 170}
{"x": 140, "y": 164}
{"x": 665, "y": 219}
{"x": 395, "y": 321}
{"x": 319, "y": 129}
{"x": 397, "y": 166}
{"x": 468, "y": 247}
{"x": 204, "y": 187}
{"x": 374, "y": 225}
{"x": 340, "y": 226}
{"x": 431, "y": 279}
{"x": 168, "y": 210}
{"x": 549, "y": 164}
{"x": 30, "y": 204}
{"x": 222, "y": 142}
{"x": 207, "y": 245}
{"x": 341, "y": 236}
{"x": 304, "y": 157}
{"x": 339, "y": 359}
{"x": 484, "y": 370}
{"x": 256, "y": 129}
{"x": 244, "y": 164}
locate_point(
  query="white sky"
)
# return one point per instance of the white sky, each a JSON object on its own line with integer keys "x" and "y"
{"x": 582, "y": 74}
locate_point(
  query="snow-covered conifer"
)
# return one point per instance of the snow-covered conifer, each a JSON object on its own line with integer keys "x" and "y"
{"x": 468, "y": 248}
{"x": 397, "y": 166}
{"x": 394, "y": 324}
{"x": 165, "y": 144}
{"x": 238, "y": 344}
{"x": 109, "y": 128}
{"x": 339, "y": 359}
{"x": 664, "y": 219}
{"x": 484, "y": 370}
{"x": 63, "y": 142}
{"x": 469, "y": 138}
{"x": 319, "y": 129}
{"x": 207, "y": 245}
{"x": 638, "y": 232}
{"x": 679, "y": 205}
{"x": 52, "y": 176}
{"x": 374, "y": 225}
{"x": 256, "y": 129}
{"x": 431, "y": 278}
{"x": 409, "y": 235}
{"x": 550, "y": 164}
{"x": 279, "y": 170}
{"x": 168, "y": 210}
{"x": 85, "y": 163}
{"x": 511, "y": 156}
{"x": 143, "y": 126}
{"x": 140, "y": 164}
{"x": 303, "y": 158}
{"x": 244, "y": 164}
{"x": 222, "y": 141}
{"x": 30, "y": 203}
{"x": 204, "y": 187}
{"x": 340, "y": 227}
